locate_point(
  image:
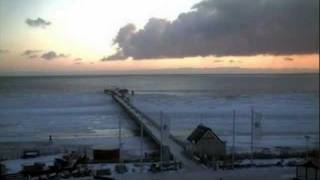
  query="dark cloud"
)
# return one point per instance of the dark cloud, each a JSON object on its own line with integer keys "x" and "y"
{"x": 288, "y": 59}
{"x": 63, "y": 55}
{"x": 37, "y": 22}
{"x": 78, "y": 59}
{"x": 52, "y": 55}
{"x": 78, "y": 63}
{"x": 4, "y": 51}
{"x": 31, "y": 54}
{"x": 104, "y": 59}
{"x": 224, "y": 28}
{"x": 117, "y": 56}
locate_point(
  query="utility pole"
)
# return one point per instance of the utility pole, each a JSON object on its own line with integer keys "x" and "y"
{"x": 161, "y": 139}
{"x": 233, "y": 137}
{"x": 307, "y": 146}
{"x": 120, "y": 140}
{"x": 252, "y": 121}
{"x": 141, "y": 148}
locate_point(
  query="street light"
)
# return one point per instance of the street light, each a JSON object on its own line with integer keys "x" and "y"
{"x": 307, "y": 145}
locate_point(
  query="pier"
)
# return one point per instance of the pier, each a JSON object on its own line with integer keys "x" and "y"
{"x": 151, "y": 128}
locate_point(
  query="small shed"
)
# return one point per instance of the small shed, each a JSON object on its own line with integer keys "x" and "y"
{"x": 308, "y": 170}
{"x": 204, "y": 143}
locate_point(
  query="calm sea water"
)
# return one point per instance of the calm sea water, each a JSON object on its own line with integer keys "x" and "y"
{"x": 32, "y": 108}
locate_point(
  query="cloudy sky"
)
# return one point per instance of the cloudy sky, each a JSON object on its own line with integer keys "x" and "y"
{"x": 120, "y": 36}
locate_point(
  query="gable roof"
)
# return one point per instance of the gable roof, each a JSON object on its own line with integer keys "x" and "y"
{"x": 199, "y": 132}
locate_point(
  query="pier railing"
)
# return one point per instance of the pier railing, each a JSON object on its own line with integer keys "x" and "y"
{"x": 153, "y": 129}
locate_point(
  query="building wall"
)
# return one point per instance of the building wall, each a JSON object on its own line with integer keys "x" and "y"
{"x": 108, "y": 155}
{"x": 211, "y": 146}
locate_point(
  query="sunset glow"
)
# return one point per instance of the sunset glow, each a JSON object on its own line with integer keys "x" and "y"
{"x": 83, "y": 31}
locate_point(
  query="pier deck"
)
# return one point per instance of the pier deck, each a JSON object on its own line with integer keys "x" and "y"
{"x": 152, "y": 129}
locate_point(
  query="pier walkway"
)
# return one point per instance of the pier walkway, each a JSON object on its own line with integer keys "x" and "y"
{"x": 152, "y": 129}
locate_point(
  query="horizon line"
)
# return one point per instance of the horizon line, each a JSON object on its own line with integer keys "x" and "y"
{"x": 162, "y": 74}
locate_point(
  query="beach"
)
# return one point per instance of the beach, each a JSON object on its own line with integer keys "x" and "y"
{"x": 76, "y": 113}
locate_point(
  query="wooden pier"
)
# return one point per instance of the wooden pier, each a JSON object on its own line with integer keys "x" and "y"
{"x": 151, "y": 128}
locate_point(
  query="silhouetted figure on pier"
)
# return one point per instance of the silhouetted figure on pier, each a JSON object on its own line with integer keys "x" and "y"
{"x": 50, "y": 139}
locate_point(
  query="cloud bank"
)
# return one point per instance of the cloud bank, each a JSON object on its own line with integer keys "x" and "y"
{"x": 39, "y": 22}
{"x": 52, "y": 55}
{"x": 31, "y": 54}
{"x": 226, "y": 28}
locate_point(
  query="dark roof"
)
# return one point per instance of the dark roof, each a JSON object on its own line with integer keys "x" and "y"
{"x": 196, "y": 135}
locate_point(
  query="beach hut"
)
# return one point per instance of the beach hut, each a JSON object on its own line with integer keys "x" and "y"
{"x": 204, "y": 143}
{"x": 308, "y": 170}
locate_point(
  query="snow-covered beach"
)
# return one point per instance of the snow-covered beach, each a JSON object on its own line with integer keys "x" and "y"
{"x": 74, "y": 110}
{"x": 287, "y": 118}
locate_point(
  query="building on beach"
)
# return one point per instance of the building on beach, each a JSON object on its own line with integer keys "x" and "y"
{"x": 204, "y": 143}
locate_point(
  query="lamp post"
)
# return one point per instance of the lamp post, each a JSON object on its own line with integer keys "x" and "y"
{"x": 233, "y": 137}
{"x": 307, "y": 138}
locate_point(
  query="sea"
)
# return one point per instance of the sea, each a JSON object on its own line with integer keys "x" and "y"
{"x": 74, "y": 109}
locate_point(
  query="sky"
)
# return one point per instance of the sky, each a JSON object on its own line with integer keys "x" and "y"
{"x": 122, "y": 36}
